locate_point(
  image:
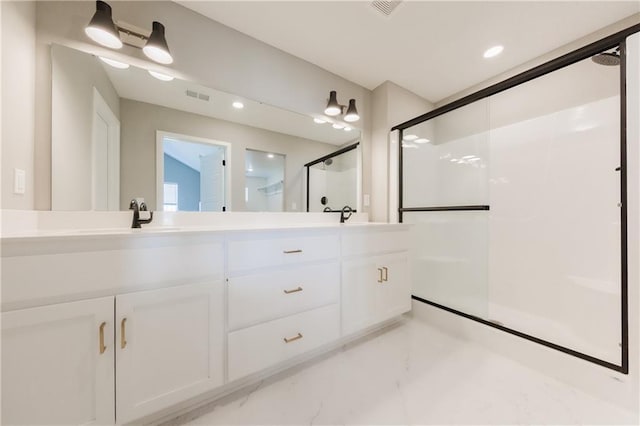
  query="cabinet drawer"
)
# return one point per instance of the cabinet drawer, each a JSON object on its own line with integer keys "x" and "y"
{"x": 255, "y": 348}
{"x": 292, "y": 249}
{"x": 358, "y": 243}
{"x": 266, "y": 296}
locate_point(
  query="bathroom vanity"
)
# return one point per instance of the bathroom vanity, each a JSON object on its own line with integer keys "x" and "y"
{"x": 118, "y": 325}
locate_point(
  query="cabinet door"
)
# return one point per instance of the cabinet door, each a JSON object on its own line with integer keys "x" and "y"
{"x": 359, "y": 304}
{"x": 169, "y": 347}
{"x": 393, "y": 295}
{"x": 56, "y": 369}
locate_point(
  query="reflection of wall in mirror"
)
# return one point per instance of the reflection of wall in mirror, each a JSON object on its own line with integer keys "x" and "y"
{"x": 74, "y": 75}
{"x": 139, "y": 124}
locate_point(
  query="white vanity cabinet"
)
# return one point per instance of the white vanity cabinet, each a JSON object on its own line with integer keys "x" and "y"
{"x": 169, "y": 347}
{"x": 283, "y": 297}
{"x": 57, "y": 364}
{"x": 375, "y": 280}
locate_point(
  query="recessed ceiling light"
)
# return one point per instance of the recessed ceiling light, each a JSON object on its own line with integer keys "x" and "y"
{"x": 347, "y": 129}
{"x": 422, "y": 140}
{"x": 249, "y": 169}
{"x": 319, "y": 120}
{"x": 270, "y": 155}
{"x": 114, "y": 63}
{"x": 238, "y": 105}
{"x": 493, "y": 51}
{"x": 338, "y": 126}
{"x": 161, "y": 76}
{"x": 410, "y": 137}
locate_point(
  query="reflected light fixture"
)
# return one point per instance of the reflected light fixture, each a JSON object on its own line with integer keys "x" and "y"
{"x": 334, "y": 108}
{"x": 161, "y": 76}
{"x": 319, "y": 121}
{"x": 409, "y": 137}
{"x": 337, "y": 126}
{"x": 156, "y": 48}
{"x": 238, "y": 105}
{"x": 101, "y": 28}
{"x": 422, "y": 140}
{"x": 347, "y": 129}
{"x": 270, "y": 155}
{"x": 114, "y": 63}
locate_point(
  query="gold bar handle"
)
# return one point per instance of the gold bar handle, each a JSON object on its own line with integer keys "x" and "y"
{"x": 102, "y": 345}
{"x": 123, "y": 335}
{"x": 386, "y": 273}
{"x": 292, "y": 251}
{"x": 295, "y": 290}
{"x": 380, "y": 277}
{"x": 293, "y": 339}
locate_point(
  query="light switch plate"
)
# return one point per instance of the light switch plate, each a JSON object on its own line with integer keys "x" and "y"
{"x": 367, "y": 200}
{"x": 19, "y": 181}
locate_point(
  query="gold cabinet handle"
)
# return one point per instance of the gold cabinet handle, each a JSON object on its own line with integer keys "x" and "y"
{"x": 292, "y": 251}
{"x": 123, "y": 336}
{"x": 293, "y": 339}
{"x": 386, "y": 273}
{"x": 380, "y": 276}
{"x": 102, "y": 345}
{"x": 295, "y": 290}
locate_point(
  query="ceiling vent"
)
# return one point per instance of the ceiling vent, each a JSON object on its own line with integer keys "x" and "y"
{"x": 386, "y": 7}
{"x": 196, "y": 95}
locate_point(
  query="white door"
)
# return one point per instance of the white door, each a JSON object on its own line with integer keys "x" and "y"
{"x": 212, "y": 181}
{"x": 359, "y": 300}
{"x": 393, "y": 295}
{"x": 105, "y": 156}
{"x": 57, "y": 364}
{"x": 169, "y": 347}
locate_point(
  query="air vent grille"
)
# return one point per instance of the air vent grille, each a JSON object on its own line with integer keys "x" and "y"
{"x": 385, "y": 7}
{"x": 196, "y": 95}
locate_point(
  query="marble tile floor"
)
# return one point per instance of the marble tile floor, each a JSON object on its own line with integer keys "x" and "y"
{"x": 411, "y": 373}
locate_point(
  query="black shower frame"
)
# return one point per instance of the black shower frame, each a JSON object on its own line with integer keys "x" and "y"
{"x": 326, "y": 157}
{"x": 617, "y": 39}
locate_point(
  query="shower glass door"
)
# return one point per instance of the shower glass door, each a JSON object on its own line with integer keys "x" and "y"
{"x": 517, "y": 205}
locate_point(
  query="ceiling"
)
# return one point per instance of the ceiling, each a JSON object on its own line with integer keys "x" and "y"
{"x": 136, "y": 84}
{"x": 433, "y": 49}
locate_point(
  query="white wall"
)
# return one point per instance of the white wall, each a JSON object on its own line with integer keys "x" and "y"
{"x": 140, "y": 121}
{"x": 18, "y": 99}
{"x": 74, "y": 75}
{"x": 391, "y": 105}
{"x": 214, "y": 55}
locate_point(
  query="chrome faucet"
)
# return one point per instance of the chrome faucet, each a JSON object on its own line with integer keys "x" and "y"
{"x": 345, "y": 209}
{"x": 137, "y": 208}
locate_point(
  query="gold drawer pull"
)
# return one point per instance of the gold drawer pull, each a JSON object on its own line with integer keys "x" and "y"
{"x": 380, "y": 276}
{"x": 386, "y": 273}
{"x": 295, "y": 290}
{"x": 102, "y": 346}
{"x": 293, "y": 339}
{"x": 123, "y": 336}
{"x": 292, "y": 251}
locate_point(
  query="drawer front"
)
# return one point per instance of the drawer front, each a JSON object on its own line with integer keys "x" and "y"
{"x": 367, "y": 242}
{"x": 260, "y": 253}
{"x": 266, "y": 296}
{"x": 256, "y": 348}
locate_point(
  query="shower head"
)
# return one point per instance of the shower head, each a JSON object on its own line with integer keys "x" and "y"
{"x": 607, "y": 58}
{"x": 328, "y": 162}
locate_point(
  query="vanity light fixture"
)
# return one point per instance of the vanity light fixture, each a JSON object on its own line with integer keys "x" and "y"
{"x": 156, "y": 48}
{"x": 238, "y": 105}
{"x": 161, "y": 76}
{"x": 101, "y": 28}
{"x": 334, "y": 108}
{"x": 105, "y": 32}
{"x": 114, "y": 63}
{"x": 493, "y": 51}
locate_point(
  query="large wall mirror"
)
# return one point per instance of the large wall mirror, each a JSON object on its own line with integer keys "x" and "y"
{"x": 120, "y": 133}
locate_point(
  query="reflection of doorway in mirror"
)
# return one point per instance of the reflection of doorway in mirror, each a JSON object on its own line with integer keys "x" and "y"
{"x": 192, "y": 173}
{"x": 264, "y": 181}
{"x": 105, "y": 148}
